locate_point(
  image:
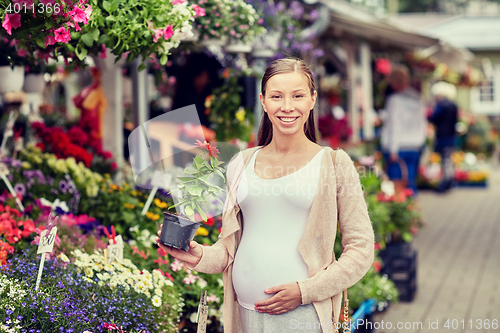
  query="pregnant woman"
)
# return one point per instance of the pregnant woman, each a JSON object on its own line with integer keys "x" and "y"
{"x": 286, "y": 199}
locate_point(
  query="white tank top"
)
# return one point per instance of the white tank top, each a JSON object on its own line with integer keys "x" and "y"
{"x": 275, "y": 212}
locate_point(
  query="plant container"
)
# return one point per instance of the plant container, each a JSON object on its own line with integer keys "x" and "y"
{"x": 34, "y": 83}
{"x": 177, "y": 231}
{"x": 11, "y": 79}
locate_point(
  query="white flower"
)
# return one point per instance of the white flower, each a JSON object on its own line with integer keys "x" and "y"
{"x": 201, "y": 283}
{"x": 193, "y": 316}
{"x": 140, "y": 287}
{"x": 156, "y": 301}
{"x": 190, "y": 279}
{"x": 158, "y": 292}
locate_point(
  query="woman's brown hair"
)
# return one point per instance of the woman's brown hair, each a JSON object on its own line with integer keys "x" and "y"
{"x": 284, "y": 66}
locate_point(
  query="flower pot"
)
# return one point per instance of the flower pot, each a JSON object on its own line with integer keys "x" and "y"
{"x": 238, "y": 47}
{"x": 177, "y": 231}
{"x": 266, "y": 45}
{"x": 34, "y": 83}
{"x": 11, "y": 79}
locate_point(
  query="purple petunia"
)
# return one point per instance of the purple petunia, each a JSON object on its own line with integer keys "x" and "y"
{"x": 63, "y": 186}
{"x": 20, "y": 189}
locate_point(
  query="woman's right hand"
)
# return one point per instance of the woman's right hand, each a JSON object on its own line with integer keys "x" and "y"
{"x": 191, "y": 257}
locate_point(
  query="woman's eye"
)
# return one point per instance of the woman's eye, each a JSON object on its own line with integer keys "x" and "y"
{"x": 275, "y": 96}
{"x": 299, "y": 96}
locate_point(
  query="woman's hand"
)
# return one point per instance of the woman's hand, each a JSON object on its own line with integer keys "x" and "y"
{"x": 287, "y": 297}
{"x": 192, "y": 257}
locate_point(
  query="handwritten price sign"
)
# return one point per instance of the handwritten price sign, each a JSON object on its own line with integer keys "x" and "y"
{"x": 115, "y": 251}
{"x": 47, "y": 241}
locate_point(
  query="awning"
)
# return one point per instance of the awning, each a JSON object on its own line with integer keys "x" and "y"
{"x": 347, "y": 21}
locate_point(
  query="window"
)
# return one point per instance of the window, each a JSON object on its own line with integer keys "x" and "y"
{"x": 486, "y": 91}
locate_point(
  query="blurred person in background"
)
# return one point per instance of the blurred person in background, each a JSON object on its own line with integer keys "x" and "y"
{"x": 445, "y": 117}
{"x": 404, "y": 130}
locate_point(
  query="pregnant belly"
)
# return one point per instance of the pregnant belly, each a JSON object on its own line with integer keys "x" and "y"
{"x": 256, "y": 270}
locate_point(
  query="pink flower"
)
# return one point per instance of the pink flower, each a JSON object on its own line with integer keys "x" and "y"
{"x": 157, "y": 34}
{"x": 176, "y": 265}
{"x": 49, "y": 40}
{"x": 78, "y": 15}
{"x": 11, "y": 21}
{"x": 62, "y": 35}
{"x": 168, "y": 32}
{"x": 103, "y": 52}
{"x": 177, "y": 2}
{"x": 88, "y": 12}
{"x": 198, "y": 10}
{"x": 190, "y": 279}
{"x": 22, "y": 52}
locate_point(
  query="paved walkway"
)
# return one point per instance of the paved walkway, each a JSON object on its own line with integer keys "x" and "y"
{"x": 458, "y": 265}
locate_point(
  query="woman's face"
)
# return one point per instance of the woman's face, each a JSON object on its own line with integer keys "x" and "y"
{"x": 288, "y": 102}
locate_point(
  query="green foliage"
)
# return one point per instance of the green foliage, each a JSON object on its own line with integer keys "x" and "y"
{"x": 230, "y": 120}
{"x": 196, "y": 183}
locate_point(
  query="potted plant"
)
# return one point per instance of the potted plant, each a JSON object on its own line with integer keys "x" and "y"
{"x": 177, "y": 230}
{"x": 244, "y": 27}
{"x": 11, "y": 72}
{"x": 213, "y": 27}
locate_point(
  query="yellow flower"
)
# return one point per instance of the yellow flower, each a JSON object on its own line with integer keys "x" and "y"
{"x": 202, "y": 231}
{"x": 114, "y": 187}
{"x": 160, "y": 203}
{"x": 240, "y": 114}
{"x": 26, "y": 165}
{"x": 435, "y": 158}
{"x": 129, "y": 206}
{"x": 153, "y": 216}
{"x": 208, "y": 101}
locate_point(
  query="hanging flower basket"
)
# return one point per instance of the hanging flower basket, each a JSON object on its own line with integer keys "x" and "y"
{"x": 266, "y": 45}
{"x": 11, "y": 79}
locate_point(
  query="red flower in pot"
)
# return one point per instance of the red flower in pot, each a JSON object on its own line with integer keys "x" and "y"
{"x": 178, "y": 231}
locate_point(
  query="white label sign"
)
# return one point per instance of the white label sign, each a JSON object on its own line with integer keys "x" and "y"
{"x": 47, "y": 241}
{"x": 115, "y": 251}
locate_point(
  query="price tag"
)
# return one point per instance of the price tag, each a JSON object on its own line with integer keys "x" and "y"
{"x": 18, "y": 144}
{"x": 47, "y": 241}
{"x": 202, "y": 315}
{"x": 115, "y": 251}
{"x": 387, "y": 187}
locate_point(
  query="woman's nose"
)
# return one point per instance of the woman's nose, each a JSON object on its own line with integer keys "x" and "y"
{"x": 287, "y": 105}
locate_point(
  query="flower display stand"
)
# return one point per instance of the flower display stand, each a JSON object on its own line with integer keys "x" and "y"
{"x": 400, "y": 265}
{"x": 266, "y": 45}
{"x": 12, "y": 79}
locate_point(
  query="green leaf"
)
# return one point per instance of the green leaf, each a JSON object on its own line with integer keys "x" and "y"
{"x": 201, "y": 212}
{"x": 81, "y": 53}
{"x": 114, "y": 5}
{"x": 164, "y": 59}
{"x": 189, "y": 210}
{"x": 195, "y": 191}
{"x": 70, "y": 48}
{"x": 88, "y": 39}
{"x": 40, "y": 42}
{"x": 95, "y": 34}
{"x": 107, "y": 6}
{"x": 186, "y": 179}
{"x": 190, "y": 170}
{"x": 103, "y": 39}
{"x": 407, "y": 237}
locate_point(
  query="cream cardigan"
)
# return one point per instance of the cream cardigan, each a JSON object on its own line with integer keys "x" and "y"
{"x": 339, "y": 198}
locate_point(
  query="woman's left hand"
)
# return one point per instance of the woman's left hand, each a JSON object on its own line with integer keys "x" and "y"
{"x": 287, "y": 297}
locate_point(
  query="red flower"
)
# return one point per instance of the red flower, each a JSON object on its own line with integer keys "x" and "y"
{"x": 212, "y": 151}
{"x": 169, "y": 276}
{"x": 377, "y": 266}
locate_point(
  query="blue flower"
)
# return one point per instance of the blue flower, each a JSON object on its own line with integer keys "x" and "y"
{"x": 20, "y": 189}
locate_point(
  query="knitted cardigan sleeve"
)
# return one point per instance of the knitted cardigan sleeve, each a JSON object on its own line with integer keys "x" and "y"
{"x": 357, "y": 238}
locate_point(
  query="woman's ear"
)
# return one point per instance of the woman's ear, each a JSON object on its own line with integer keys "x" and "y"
{"x": 262, "y": 102}
{"x": 314, "y": 96}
